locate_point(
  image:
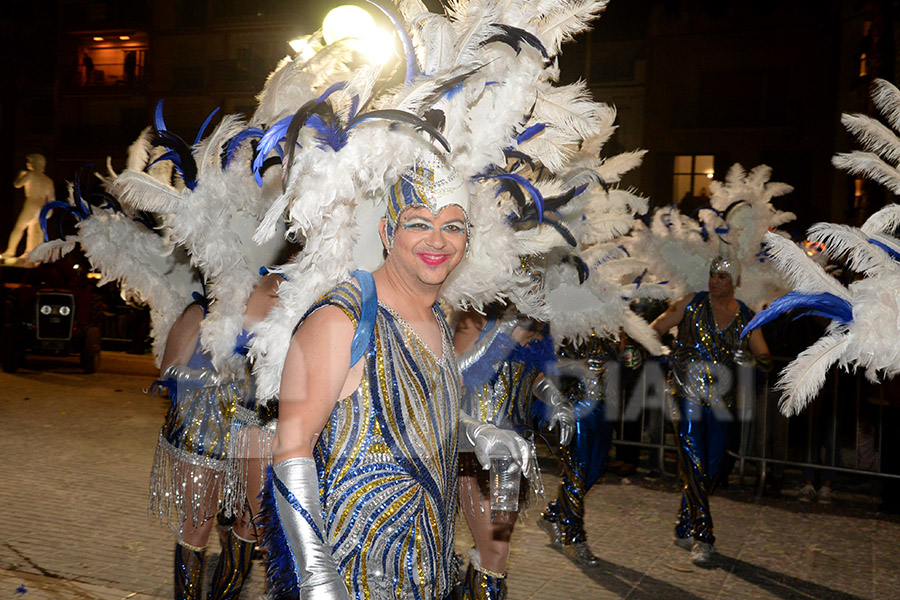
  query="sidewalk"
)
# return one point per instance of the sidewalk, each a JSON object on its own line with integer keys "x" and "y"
{"x": 77, "y": 453}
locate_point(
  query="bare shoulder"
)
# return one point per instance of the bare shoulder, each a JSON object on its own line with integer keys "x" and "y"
{"x": 191, "y": 317}
{"x": 328, "y": 330}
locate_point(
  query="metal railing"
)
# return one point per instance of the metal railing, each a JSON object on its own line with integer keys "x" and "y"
{"x": 763, "y": 432}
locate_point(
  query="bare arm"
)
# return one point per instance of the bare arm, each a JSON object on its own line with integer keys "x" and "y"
{"x": 316, "y": 376}
{"x": 672, "y": 317}
{"x": 182, "y": 338}
{"x": 760, "y": 349}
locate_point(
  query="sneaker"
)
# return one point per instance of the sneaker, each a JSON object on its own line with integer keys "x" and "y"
{"x": 684, "y": 542}
{"x": 701, "y": 554}
{"x": 551, "y": 528}
{"x": 824, "y": 495}
{"x": 807, "y": 493}
{"x": 580, "y": 554}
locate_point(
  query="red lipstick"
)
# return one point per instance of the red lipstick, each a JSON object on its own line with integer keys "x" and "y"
{"x": 432, "y": 260}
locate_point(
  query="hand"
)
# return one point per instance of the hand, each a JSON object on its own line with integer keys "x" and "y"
{"x": 562, "y": 410}
{"x": 491, "y": 441}
{"x": 564, "y": 415}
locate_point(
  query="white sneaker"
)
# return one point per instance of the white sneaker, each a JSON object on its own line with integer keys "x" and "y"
{"x": 824, "y": 495}
{"x": 807, "y": 493}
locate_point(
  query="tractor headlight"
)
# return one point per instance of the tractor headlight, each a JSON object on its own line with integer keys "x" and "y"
{"x": 64, "y": 311}
{"x": 46, "y": 310}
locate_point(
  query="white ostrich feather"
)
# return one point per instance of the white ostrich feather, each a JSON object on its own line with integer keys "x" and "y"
{"x": 803, "y": 378}
{"x": 53, "y": 250}
{"x": 869, "y": 165}
{"x": 803, "y": 273}
{"x": 565, "y": 21}
{"x": 874, "y": 136}
{"x": 886, "y": 98}
{"x": 884, "y": 221}
{"x": 844, "y": 240}
{"x": 143, "y": 192}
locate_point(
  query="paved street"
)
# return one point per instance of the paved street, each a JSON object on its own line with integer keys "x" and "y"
{"x": 78, "y": 448}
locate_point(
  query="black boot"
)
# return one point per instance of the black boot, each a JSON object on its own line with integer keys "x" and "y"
{"x": 233, "y": 568}
{"x": 188, "y": 572}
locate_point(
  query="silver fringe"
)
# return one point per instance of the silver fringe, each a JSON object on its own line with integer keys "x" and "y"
{"x": 184, "y": 486}
{"x": 250, "y": 440}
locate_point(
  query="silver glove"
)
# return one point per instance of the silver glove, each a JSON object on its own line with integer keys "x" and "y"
{"x": 316, "y": 569}
{"x": 467, "y": 359}
{"x": 562, "y": 412}
{"x": 490, "y": 441}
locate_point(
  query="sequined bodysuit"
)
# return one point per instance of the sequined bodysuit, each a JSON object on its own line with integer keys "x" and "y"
{"x": 190, "y": 462}
{"x": 703, "y": 367}
{"x": 704, "y": 354}
{"x": 387, "y": 461}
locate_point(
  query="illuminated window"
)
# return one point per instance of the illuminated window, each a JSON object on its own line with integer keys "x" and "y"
{"x": 691, "y": 176}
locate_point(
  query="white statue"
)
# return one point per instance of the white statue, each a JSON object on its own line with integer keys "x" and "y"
{"x": 38, "y": 191}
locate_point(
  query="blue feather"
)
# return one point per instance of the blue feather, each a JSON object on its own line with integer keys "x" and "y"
{"x": 158, "y": 117}
{"x": 334, "y": 87}
{"x": 203, "y": 127}
{"x": 535, "y": 194}
{"x": 280, "y": 566}
{"x": 412, "y": 66}
{"x": 270, "y": 139}
{"x": 530, "y": 132}
{"x": 893, "y": 253}
{"x": 824, "y": 305}
{"x": 235, "y": 142}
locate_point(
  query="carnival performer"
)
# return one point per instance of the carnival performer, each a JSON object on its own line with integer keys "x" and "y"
{"x": 707, "y": 349}
{"x": 504, "y": 359}
{"x": 365, "y": 448}
{"x": 583, "y": 366}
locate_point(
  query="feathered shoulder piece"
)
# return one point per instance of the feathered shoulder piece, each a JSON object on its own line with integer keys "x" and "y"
{"x": 125, "y": 249}
{"x": 479, "y": 90}
{"x": 866, "y": 313}
{"x": 740, "y": 212}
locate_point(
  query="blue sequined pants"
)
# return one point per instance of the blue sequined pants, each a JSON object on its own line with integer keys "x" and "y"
{"x": 702, "y": 441}
{"x": 581, "y": 464}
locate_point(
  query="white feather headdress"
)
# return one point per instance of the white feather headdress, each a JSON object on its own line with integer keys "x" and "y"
{"x": 866, "y": 313}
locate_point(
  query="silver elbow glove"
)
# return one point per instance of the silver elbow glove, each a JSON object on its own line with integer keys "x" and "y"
{"x": 477, "y": 352}
{"x": 562, "y": 412}
{"x": 491, "y": 441}
{"x": 300, "y": 511}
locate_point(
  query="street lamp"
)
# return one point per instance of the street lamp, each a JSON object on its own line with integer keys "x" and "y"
{"x": 357, "y": 27}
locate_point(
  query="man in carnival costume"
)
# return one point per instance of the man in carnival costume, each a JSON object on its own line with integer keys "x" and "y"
{"x": 365, "y": 450}
{"x": 708, "y": 347}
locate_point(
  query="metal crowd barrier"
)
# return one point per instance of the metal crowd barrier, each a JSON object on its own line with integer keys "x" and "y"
{"x": 764, "y": 433}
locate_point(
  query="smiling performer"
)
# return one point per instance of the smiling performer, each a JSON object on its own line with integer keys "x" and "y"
{"x": 365, "y": 449}
{"x": 707, "y": 350}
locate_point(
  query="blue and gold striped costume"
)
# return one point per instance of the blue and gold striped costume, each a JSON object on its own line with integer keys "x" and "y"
{"x": 387, "y": 461}
{"x": 703, "y": 365}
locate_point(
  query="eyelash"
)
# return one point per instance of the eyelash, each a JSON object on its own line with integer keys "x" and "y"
{"x": 418, "y": 226}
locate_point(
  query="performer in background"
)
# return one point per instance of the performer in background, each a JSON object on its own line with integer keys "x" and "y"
{"x": 583, "y": 367}
{"x": 504, "y": 359}
{"x": 707, "y": 349}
